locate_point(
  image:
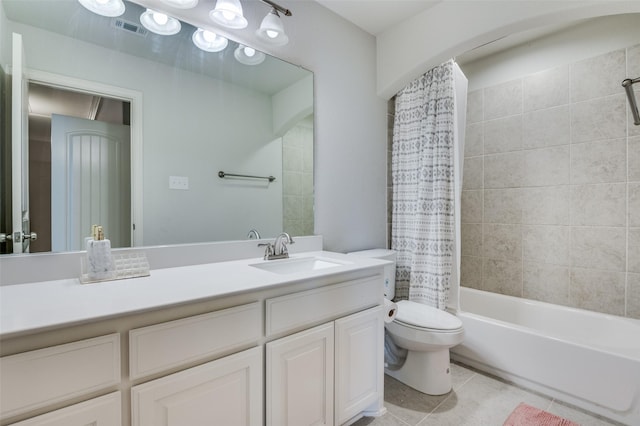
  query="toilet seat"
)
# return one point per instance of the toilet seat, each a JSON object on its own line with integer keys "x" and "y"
{"x": 421, "y": 316}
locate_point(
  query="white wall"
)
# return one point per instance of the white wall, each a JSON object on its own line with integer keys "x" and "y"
{"x": 451, "y": 28}
{"x": 350, "y": 127}
{"x": 292, "y": 104}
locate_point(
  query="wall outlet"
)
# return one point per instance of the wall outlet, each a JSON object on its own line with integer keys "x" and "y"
{"x": 178, "y": 182}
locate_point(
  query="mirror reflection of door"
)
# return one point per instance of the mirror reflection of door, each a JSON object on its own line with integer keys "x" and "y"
{"x": 90, "y": 181}
{"x": 20, "y": 231}
{"x": 95, "y": 151}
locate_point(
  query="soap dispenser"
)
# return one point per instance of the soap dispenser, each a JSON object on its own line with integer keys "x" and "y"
{"x": 100, "y": 264}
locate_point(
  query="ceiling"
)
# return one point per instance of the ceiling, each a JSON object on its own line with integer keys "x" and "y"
{"x": 376, "y": 16}
{"x": 46, "y": 100}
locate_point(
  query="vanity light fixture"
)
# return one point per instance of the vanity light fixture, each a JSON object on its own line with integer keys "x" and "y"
{"x": 271, "y": 29}
{"x": 209, "y": 41}
{"x": 248, "y": 55}
{"x": 181, "y": 4}
{"x": 160, "y": 23}
{"x": 110, "y": 8}
{"x": 228, "y": 13}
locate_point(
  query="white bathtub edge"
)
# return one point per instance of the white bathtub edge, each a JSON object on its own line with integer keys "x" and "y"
{"x": 597, "y": 381}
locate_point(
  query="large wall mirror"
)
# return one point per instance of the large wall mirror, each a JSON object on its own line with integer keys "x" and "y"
{"x": 179, "y": 115}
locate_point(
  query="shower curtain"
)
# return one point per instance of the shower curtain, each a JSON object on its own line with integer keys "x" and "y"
{"x": 422, "y": 169}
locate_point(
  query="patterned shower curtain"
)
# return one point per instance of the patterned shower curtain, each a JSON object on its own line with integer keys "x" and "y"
{"x": 422, "y": 167}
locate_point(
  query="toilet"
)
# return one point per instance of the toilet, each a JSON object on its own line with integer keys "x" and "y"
{"x": 426, "y": 333}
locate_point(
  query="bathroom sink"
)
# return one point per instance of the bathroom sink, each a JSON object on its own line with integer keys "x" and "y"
{"x": 297, "y": 265}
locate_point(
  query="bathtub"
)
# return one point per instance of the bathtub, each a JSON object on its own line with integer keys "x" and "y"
{"x": 583, "y": 358}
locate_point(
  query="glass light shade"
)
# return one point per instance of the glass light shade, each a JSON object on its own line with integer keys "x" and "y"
{"x": 160, "y": 23}
{"x": 228, "y": 13}
{"x": 209, "y": 41}
{"x": 271, "y": 29}
{"x": 248, "y": 55}
{"x": 181, "y": 4}
{"x": 110, "y": 8}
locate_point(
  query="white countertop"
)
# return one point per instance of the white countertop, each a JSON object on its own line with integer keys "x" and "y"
{"x": 27, "y": 308}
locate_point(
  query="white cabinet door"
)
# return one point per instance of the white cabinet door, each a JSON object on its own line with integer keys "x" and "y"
{"x": 101, "y": 411}
{"x": 359, "y": 365}
{"x": 300, "y": 378}
{"x": 227, "y": 391}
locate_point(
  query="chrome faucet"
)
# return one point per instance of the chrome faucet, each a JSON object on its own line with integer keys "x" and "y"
{"x": 253, "y": 234}
{"x": 280, "y": 245}
{"x": 277, "y": 250}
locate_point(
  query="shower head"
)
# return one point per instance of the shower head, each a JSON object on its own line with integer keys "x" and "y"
{"x": 627, "y": 83}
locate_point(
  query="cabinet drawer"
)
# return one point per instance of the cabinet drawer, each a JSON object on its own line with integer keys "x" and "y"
{"x": 34, "y": 379}
{"x": 295, "y": 311}
{"x": 102, "y": 411}
{"x": 171, "y": 344}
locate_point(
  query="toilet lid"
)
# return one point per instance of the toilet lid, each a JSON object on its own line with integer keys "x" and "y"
{"x": 420, "y": 315}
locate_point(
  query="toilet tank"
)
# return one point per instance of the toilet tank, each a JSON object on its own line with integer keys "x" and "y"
{"x": 389, "y": 270}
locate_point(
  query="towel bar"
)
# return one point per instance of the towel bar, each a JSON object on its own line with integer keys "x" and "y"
{"x": 222, "y": 174}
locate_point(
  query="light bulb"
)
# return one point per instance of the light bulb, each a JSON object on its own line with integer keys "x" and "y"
{"x": 110, "y": 8}
{"x": 248, "y": 55}
{"x": 160, "y": 18}
{"x": 209, "y": 36}
{"x": 271, "y": 29}
{"x": 181, "y": 4}
{"x": 209, "y": 41}
{"x": 160, "y": 23}
{"x": 228, "y": 13}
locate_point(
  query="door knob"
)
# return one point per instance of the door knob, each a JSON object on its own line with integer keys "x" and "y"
{"x": 30, "y": 236}
{"x": 19, "y": 237}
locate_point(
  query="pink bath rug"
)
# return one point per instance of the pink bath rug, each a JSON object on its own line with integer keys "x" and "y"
{"x": 526, "y": 415}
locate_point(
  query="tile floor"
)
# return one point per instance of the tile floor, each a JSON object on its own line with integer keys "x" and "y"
{"x": 476, "y": 400}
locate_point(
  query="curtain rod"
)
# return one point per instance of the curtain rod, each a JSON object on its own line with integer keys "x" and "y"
{"x": 627, "y": 83}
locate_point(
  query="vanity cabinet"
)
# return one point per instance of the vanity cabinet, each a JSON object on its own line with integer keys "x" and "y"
{"x": 304, "y": 369}
{"x": 327, "y": 374}
{"x": 308, "y": 352}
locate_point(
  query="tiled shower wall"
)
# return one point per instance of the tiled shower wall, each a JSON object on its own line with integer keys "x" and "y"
{"x": 551, "y": 190}
{"x": 297, "y": 184}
